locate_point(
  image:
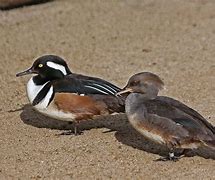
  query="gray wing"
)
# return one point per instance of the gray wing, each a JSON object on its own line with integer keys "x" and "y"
{"x": 187, "y": 110}
{"x": 181, "y": 116}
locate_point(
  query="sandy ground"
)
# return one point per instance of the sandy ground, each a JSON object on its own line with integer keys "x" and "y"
{"x": 112, "y": 40}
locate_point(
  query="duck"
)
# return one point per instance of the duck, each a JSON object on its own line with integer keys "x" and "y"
{"x": 58, "y": 93}
{"x": 164, "y": 120}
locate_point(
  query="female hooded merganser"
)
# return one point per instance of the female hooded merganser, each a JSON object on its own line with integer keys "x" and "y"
{"x": 163, "y": 119}
{"x": 58, "y": 93}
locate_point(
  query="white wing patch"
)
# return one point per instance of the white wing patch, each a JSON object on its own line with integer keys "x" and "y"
{"x": 114, "y": 90}
{"x": 96, "y": 89}
{"x": 57, "y": 66}
{"x": 105, "y": 88}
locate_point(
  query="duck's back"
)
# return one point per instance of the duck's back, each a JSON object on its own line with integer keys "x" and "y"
{"x": 180, "y": 114}
{"x": 95, "y": 90}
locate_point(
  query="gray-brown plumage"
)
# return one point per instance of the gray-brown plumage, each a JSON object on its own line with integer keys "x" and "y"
{"x": 163, "y": 119}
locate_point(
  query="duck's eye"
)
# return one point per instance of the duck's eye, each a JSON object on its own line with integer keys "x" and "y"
{"x": 40, "y": 65}
{"x": 134, "y": 83}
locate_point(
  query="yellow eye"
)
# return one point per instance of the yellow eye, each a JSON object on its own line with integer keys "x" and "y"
{"x": 40, "y": 65}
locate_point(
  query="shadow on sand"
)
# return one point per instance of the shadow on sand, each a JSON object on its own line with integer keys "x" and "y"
{"x": 125, "y": 133}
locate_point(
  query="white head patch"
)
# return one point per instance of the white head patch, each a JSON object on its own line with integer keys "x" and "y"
{"x": 57, "y": 66}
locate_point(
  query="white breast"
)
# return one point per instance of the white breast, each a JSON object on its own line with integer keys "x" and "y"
{"x": 53, "y": 112}
{"x": 43, "y": 107}
{"x": 33, "y": 89}
{"x": 148, "y": 134}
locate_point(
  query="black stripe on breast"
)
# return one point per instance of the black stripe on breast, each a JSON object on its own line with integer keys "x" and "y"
{"x": 42, "y": 94}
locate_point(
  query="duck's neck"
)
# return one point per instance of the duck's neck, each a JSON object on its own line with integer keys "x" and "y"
{"x": 134, "y": 102}
{"x": 38, "y": 80}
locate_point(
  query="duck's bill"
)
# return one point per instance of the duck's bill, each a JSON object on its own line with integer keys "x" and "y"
{"x": 127, "y": 90}
{"x": 26, "y": 72}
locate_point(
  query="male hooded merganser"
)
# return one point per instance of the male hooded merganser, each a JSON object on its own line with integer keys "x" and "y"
{"x": 58, "y": 93}
{"x": 163, "y": 119}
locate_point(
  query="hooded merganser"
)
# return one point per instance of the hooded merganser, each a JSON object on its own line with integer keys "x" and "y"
{"x": 163, "y": 119}
{"x": 58, "y": 93}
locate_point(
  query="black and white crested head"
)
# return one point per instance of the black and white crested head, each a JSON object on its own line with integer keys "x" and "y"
{"x": 54, "y": 62}
{"x": 48, "y": 67}
{"x": 51, "y": 66}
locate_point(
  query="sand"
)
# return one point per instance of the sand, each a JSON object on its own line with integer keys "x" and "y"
{"x": 112, "y": 40}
